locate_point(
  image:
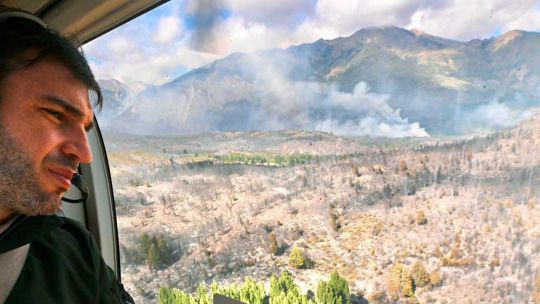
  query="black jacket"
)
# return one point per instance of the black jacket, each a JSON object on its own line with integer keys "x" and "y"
{"x": 63, "y": 264}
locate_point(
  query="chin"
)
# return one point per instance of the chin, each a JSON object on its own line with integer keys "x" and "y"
{"x": 56, "y": 202}
{"x": 49, "y": 206}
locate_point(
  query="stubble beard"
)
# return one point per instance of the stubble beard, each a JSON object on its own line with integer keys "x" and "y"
{"x": 20, "y": 191}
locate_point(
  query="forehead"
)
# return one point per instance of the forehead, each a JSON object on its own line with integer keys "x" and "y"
{"x": 48, "y": 77}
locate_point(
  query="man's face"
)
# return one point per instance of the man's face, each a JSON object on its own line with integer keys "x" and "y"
{"x": 44, "y": 117}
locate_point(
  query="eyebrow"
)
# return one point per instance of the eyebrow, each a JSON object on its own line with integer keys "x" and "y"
{"x": 68, "y": 107}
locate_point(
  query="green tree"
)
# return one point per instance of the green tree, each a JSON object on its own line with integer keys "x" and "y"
{"x": 165, "y": 253}
{"x": 291, "y": 162}
{"x": 283, "y": 290}
{"x": 202, "y": 295}
{"x": 335, "y": 291}
{"x": 252, "y": 292}
{"x": 296, "y": 258}
{"x": 169, "y": 295}
{"x": 152, "y": 257}
{"x": 155, "y": 250}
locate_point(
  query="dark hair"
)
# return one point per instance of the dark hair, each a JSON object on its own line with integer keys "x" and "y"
{"x": 24, "y": 42}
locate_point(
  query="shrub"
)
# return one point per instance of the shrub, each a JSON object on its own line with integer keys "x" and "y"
{"x": 402, "y": 165}
{"x": 536, "y": 290}
{"x": 437, "y": 252}
{"x": 297, "y": 259}
{"x": 135, "y": 181}
{"x": 495, "y": 262}
{"x": 335, "y": 291}
{"x": 376, "y": 297}
{"x": 531, "y": 203}
{"x": 420, "y": 275}
{"x": 356, "y": 171}
{"x": 407, "y": 283}
{"x": 435, "y": 278}
{"x": 335, "y": 222}
{"x": 421, "y": 218}
{"x": 457, "y": 262}
{"x": 393, "y": 281}
{"x": 274, "y": 248}
{"x": 399, "y": 282}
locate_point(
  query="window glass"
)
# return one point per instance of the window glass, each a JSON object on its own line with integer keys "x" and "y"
{"x": 326, "y": 152}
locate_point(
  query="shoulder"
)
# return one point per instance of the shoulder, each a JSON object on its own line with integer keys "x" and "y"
{"x": 71, "y": 239}
{"x": 75, "y": 229}
{"x": 49, "y": 229}
{"x": 63, "y": 265}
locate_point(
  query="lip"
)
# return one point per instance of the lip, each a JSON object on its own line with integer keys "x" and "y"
{"x": 62, "y": 176}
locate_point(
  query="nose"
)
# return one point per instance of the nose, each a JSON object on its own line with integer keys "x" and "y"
{"x": 78, "y": 147}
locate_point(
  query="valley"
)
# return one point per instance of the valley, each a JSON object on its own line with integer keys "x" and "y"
{"x": 223, "y": 206}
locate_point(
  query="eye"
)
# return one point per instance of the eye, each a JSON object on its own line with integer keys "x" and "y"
{"x": 57, "y": 115}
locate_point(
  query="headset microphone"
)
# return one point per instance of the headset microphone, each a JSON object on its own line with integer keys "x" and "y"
{"x": 78, "y": 182}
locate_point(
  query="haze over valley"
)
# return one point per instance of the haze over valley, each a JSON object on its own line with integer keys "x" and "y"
{"x": 384, "y": 81}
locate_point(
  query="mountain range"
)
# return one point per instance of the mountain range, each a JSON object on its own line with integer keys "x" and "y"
{"x": 384, "y": 81}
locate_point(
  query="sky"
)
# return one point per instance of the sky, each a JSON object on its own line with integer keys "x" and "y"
{"x": 182, "y": 35}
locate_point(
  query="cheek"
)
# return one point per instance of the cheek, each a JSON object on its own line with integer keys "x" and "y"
{"x": 27, "y": 131}
{"x": 33, "y": 135}
{"x": 39, "y": 146}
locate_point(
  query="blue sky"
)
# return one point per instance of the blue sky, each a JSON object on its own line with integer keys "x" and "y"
{"x": 182, "y": 35}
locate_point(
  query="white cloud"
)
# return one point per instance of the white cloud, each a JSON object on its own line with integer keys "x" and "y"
{"x": 142, "y": 52}
{"x": 349, "y": 16}
{"x": 280, "y": 13}
{"x": 168, "y": 29}
{"x": 192, "y": 59}
{"x": 239, "y": 35}
{"x": 135, "y": 67}
{"x": 121, "y": 45}
{"x": 125, "y": 60}
{"x": 236, "y": 34}
{"x": 342, "y": 18}
{"x": 466, "y": 20}
{"x": 454, "y": 19}
{"x": 529, "y": 21}
{"x": 152, "y": 70}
